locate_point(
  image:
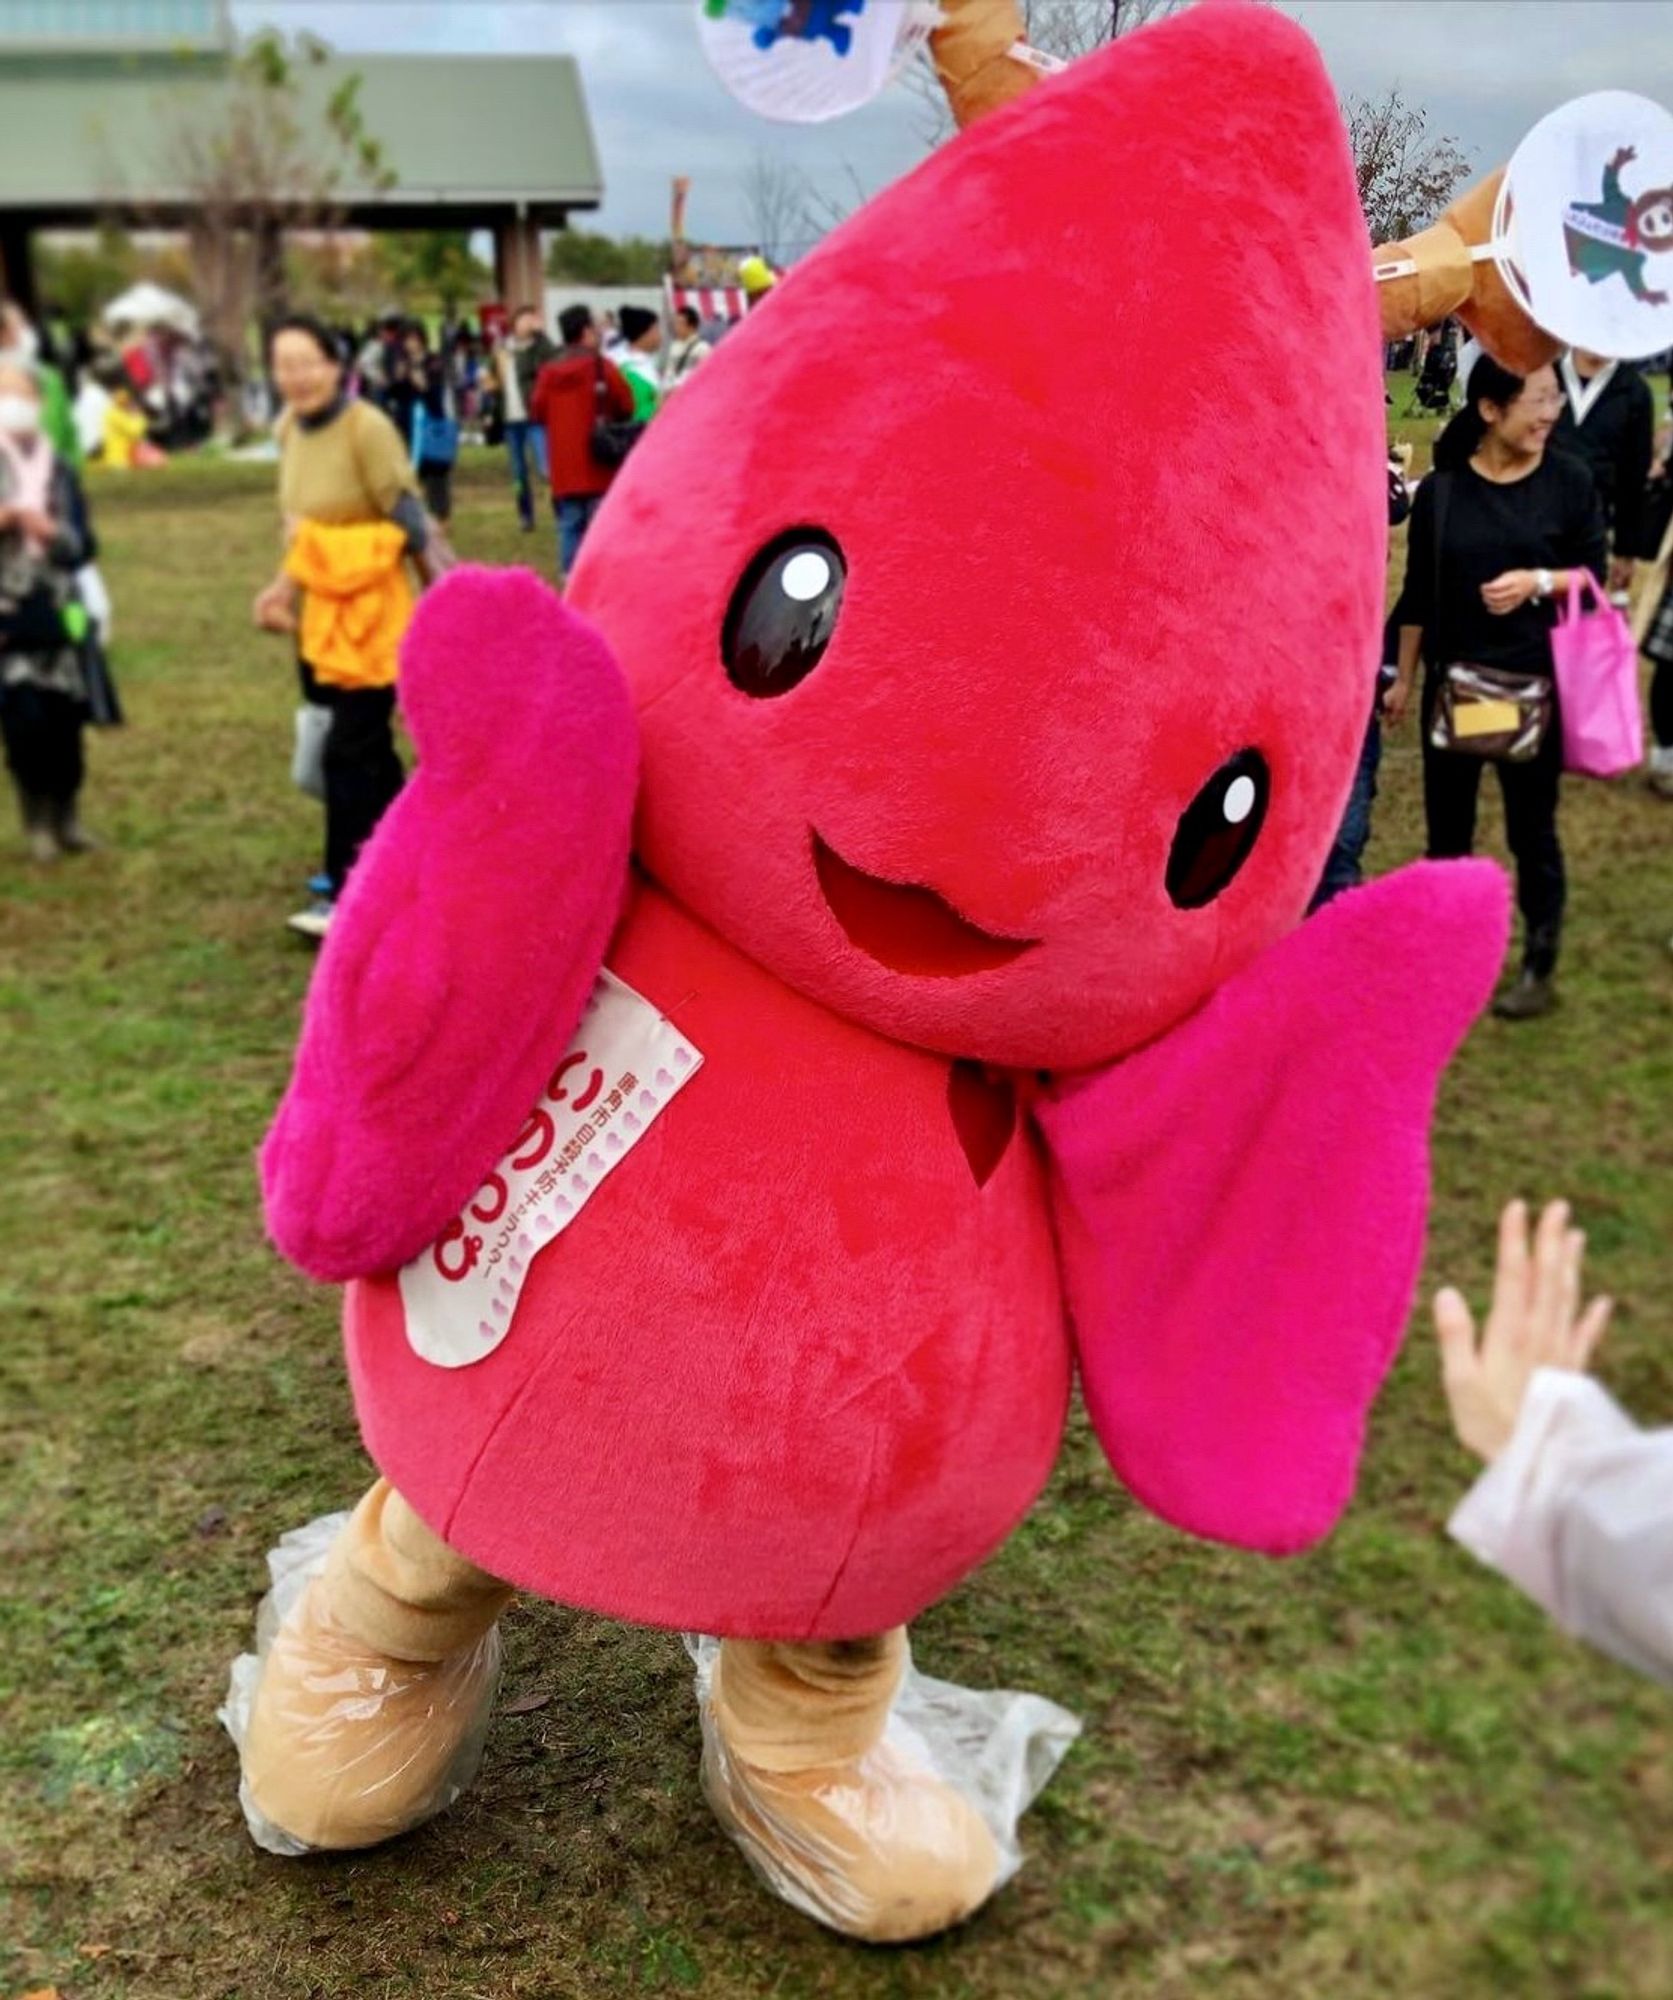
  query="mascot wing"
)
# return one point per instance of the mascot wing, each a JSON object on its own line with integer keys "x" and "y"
{"x": 462, "y": 954}
{"x": 1241, "y": 1206}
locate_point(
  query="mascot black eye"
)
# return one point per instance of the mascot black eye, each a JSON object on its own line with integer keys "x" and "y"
{"x": 783, "y": 613}
{"x": 1217, "y": 831}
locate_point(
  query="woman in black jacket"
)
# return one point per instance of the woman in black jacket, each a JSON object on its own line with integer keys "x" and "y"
{"x": 1496, "y": 529}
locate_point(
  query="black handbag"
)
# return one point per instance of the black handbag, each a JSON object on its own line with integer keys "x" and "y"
{"x": 33, "y": 623}
{"x": 612, "y": 437}
{"x": 104, "y": 704}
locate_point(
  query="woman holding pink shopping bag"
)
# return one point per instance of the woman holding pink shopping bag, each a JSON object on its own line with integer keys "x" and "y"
{"x": 1498, "y": 530}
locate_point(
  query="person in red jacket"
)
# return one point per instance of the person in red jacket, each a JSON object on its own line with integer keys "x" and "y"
{"x": 574, "y": 389}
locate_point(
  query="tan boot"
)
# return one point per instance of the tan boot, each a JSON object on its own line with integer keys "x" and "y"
{"x": 374, "y": 1695}
{"x": 842, "y": 1824}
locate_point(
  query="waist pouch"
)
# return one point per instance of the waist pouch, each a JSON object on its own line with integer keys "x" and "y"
{"x": 1491, "y": 712}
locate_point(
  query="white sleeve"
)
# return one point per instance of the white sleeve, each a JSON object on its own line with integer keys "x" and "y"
{"x": 1578, "y": 1512}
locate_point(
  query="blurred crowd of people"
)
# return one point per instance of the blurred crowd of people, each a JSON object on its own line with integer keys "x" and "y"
{"x": 478, "y": 384}
{"x": 133, "y": 393}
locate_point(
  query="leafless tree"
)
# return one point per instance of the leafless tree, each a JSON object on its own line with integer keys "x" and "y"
{"x": 1406, "y": 173}
{"x": 826, "y": 205}
{"x": 1061, "y": 28}
{"x": 1069, "y": 28}
{"x": 254, "y": 158}
{"x": 779, "y": 202}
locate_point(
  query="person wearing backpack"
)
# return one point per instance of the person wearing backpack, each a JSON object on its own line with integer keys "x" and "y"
{"x": 432, "y": 433}
{"x": 1496, "y": 529}
{"x": 574, "y": 393}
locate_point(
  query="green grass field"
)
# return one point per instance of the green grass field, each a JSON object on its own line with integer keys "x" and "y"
{"x": 1371, "y": 1771}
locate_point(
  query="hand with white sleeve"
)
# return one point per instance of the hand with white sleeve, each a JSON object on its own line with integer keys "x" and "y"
{"x": 1535, "y": 1322}
{"x": 1575, "y": 1506}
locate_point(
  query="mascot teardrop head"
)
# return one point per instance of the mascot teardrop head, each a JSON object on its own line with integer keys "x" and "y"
{"x": 1001, "y": 601}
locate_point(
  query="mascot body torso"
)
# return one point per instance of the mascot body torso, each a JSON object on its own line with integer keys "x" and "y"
{"x": 790, "y": 1369}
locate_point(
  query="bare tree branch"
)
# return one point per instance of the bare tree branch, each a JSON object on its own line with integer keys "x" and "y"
{"x": 778, "y": 201}
{"x": 1061, "y": 28}
{"x": 824, "y": 208}
{"x": 1070, "y": 28}
{"x": 1406, "y": 174}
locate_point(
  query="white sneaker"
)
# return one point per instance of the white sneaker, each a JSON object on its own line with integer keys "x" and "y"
{"x": 312, "y": 922}
{"x": 1659, "y": 776}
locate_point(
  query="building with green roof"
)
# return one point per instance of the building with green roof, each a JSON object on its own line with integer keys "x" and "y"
{"x": 94, "y": 95}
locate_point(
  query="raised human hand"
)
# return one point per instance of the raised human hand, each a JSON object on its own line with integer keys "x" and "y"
{"x": 1535, "y": 1321}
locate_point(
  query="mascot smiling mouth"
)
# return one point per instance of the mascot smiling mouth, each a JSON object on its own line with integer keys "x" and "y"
{"x": 906, "y": 928}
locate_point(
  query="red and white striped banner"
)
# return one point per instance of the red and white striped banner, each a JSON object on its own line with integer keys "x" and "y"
{"x": 709, "y": 301}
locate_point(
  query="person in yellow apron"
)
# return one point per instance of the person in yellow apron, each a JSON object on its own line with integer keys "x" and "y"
{"x": 353, "y": 519}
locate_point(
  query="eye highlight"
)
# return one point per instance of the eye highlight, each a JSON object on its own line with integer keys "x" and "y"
{"x": 1217, "y": 831}
{"x": 783, "y": 613}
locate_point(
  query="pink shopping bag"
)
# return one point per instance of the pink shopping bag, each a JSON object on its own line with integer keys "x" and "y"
{"x": 1596, "y": 662}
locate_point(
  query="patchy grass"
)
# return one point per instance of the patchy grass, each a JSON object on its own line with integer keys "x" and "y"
{"x": 1372, "y": 1770}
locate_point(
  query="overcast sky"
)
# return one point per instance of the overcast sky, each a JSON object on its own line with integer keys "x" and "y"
{"x": 1485, "y": 69}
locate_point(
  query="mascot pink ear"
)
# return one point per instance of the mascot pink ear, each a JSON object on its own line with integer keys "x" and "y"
{"x": 462, "y": 954}
{"x": 1241, "y": 1206}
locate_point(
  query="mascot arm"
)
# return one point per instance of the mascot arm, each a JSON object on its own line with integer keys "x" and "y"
{"x": 1241, "y": 1206}
{"x": 463, "y": 951}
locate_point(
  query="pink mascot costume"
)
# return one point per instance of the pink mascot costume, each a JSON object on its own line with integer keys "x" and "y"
{"x": 838, "y": 977}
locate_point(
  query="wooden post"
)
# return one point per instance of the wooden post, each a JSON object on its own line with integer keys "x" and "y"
{"x": 519, "y": 268}
{"x": 17, "y": 270}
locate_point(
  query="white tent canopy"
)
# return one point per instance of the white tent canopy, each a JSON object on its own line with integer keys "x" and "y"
{"x": 147, "y": 304}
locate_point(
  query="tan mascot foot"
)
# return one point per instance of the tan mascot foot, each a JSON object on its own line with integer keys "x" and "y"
{"x": 862, "y": 1793}
{"x": 867, "y": 1795}
{"x": 363, "y": 1711}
